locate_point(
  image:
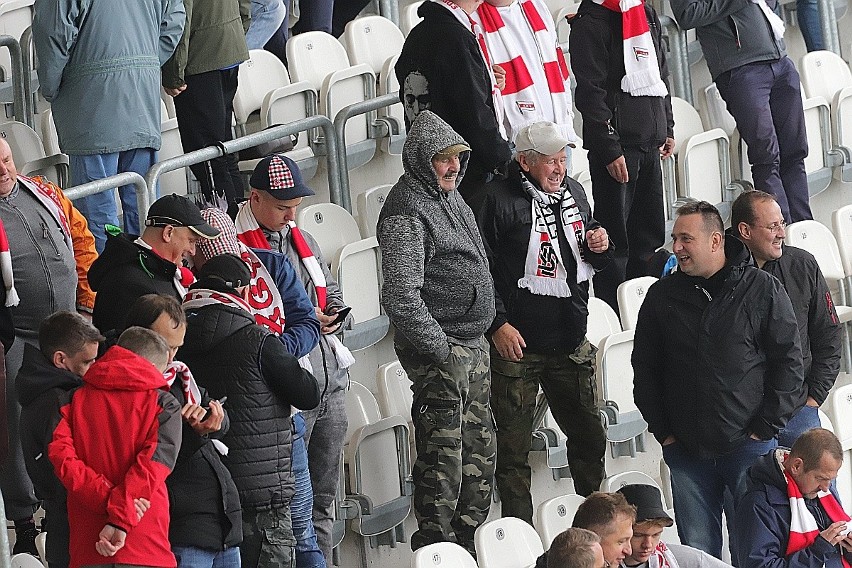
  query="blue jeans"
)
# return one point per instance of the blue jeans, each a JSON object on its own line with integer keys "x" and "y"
{"x": 803, "y": 420}
{"x": 99, "y": 209}
{"x": 308, "y": 554}
{"x": 698, "y": 488}
{"x": 266, "y": 18}
{"x": 807, "y": 13}
{"x": 192, "y": 557}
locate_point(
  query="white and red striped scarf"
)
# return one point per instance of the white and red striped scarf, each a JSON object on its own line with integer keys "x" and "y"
{"x": 468, "y": 22}
{"x": 250, "y": 233}
{"x": 190, "y": 388}
{"x": 201, "y": 297}
{"x": 803, "y": 526}
{"x": 642, "y": 70}
{"x": 47, "y": 196}
{"x": 12, "y": 298}
{"x": 535, "y": 47}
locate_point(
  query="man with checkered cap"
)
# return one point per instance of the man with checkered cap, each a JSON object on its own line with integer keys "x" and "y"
{"x": 268, "y": 221}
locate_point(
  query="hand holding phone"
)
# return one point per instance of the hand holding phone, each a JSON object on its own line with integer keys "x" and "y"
{"x": 340, "y": 315}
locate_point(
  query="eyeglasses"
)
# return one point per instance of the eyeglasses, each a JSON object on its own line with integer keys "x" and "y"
{"x": 776, "y": 227}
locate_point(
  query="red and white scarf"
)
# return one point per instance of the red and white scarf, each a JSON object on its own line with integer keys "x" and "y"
{"x": 190, "y": 388}
{"x": 468, "y": 22}
{"x": 524, "y": 53}
{"x": 201, "y": 297}
{"x": 12, "y": 298}
{"x": 642, "y": 70}
{"x": 803, "y": 526}
{"x": 662, "y": 557}
{"x": 544, "y": 270}
{"x": 183, "y": 277}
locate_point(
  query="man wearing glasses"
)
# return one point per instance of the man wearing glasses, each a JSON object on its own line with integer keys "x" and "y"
{"x": 757, "y": 221}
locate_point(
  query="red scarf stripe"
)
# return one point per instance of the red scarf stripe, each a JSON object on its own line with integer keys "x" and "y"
{"x": 491, "y": 20}
{"x": 533, "y": 17}
{"x": 554, "y": 77}
{"x": 518, "y": 76}
{"x": 563, "y": 65}
{"x": 254, "y": 239}
{"x": 635, "y": 22}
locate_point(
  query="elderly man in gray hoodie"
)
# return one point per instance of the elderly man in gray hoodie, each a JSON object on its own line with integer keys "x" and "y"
{"x": 439, "y": 294}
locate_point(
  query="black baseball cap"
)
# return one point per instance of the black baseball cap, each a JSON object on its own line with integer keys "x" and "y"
{"x": 280, "y": 177}
{"x": 178, "y": 211}
{"x": 230, "y": 269}
{"x": 648, "y": 502}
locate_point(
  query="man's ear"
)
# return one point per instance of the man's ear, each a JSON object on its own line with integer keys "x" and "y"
{"x": 167, "y": 233}
{"x": 522, "y": 161}
{"x": 58, "y": 359}
{"x": 744, "y": 230}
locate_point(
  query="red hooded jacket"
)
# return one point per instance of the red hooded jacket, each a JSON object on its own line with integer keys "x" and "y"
{"x": 118, "y": 440}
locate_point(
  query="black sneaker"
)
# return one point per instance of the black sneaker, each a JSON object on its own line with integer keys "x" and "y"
{"x": 25, "y": 535}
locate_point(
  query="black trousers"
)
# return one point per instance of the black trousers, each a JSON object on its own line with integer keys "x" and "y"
{"x": 633, "y": 214}
{"x": 204, "y": 111}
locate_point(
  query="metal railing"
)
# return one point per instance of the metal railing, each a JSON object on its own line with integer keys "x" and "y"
{"x": 681, "y": 80}
{"x": 27, "y": 68}
{"x": 19, "y": 95}
{"x": 380, "y": 127}
{"x": 143, "y": 197}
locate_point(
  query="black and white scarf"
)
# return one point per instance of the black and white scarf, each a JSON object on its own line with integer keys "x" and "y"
{"x": 544, "y": 271}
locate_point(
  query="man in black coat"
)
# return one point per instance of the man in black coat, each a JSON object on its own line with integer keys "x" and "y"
{"x": 717, "y": 370}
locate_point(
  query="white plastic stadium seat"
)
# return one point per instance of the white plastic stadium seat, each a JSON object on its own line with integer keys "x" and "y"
{"x": 409, "y": 17}
{"x": 369, "y": 205}
{"x": 625, "y": 427}
{"x": 171, "y": 146}
{"x": 841, "y": 221}
{"x": 818, "y": 240}
{"x": 818, "y": 128}
{"x": 372, "y": 40}
{"x": 331, "y": 225}
{"x": 838, "y": 407}
{"x": 615, "y": 482}
{"x": 602, "y": 321}
{"x": 25, "y": 561}
{"x": 555, "y": 515}
{"x": 507, "y": 543}
{"x": 30, "y": 156}
{"x": 442, "y": 555}
{"x": 15, "y": 17}
{"x": 357, "y": 272}
{"x": 395, "y": 396}
{"x": 631, "y": 294}
{"x": 49, "y": 136}
{"x": 40, "y": 540}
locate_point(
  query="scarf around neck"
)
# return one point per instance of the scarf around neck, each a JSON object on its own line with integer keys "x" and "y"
{"x": 544, "y": 269}
{"x": 641, "y": 67}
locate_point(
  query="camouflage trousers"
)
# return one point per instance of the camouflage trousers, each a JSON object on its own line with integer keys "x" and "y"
{"x": 454, "y": 437}
{"x": 268, "y": 540}
{"x": 568, "y": 382}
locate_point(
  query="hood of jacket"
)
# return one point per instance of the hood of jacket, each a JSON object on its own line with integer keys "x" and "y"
{"x": 120, "y": 369}
{"x": 737, "y": 255}
{"x": 38, "y": 375}
{"x": 767, "y": 469}
{"x": 428, "y": 135}
{"x": 209, "y": 326}
{"x": 121, "y": 250}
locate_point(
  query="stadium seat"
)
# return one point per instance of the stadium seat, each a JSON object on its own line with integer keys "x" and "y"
{"x": 369, "y": 205}
{"x": 25, "y": 561}
{"x": 555, "y": 515}
{"x": 49, "y": 137}
{"x": 169, "y": 102}
{"x": 615, "y": 482}
{"x": 357, "y": 271}
{"x": 395, "y": 396}
{"x": 376, "y": 452}
{"x": 717, "y": 115}
{"x": 15, "y": 17}
{"x": 825, "y": 74}
{"x": 602, "y": 321}
{"x": 171, "y": 146}
{"x": 321, "y": 60}
{"x": 841, "y": 221}
{"x": 631, "y": 294}
{"x": 818, "y": 163}
{"x": 442, "y": 555}
{"x": 563, "y": 28}
{"x": 30, "y": 156}
{"x": 40, "y": 542}
{"x": 838, "y": 407}
{"x": 331, "y": 225}
{"x": 409, "y": 17}
{"x": 507, "y": 543}
{"x": 625, "y": 427}
{"x": 549, "y": 438}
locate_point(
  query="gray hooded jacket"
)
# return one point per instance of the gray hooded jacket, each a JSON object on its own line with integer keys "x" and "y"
{"x": 437, "y": 288}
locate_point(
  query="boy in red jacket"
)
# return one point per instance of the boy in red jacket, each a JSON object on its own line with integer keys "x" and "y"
{"x": 117, "y": 442}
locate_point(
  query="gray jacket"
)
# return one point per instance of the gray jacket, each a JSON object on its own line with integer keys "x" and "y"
{"x": 732, "y": 33}
{"x": 437, "y": 287}
{"x": 99, "y": 66}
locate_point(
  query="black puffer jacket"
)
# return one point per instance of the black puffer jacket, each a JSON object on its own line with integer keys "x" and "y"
{"x": 204, "y": 505}
{"x": 712, "y": 372}
{"x": 232, "y": 356}
{"x": 121, "y": 274}
{"x": 612, "y": 118}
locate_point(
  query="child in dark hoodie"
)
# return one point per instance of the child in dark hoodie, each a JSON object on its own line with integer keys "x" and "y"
{"x": 68, "y": 344}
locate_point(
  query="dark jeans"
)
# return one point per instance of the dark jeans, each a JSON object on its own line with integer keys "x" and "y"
{"x": 568, "y": 381}
{"x": 314, "y": 16}
{"x": 204, "y": 112}
{"x": 633, "y": 214}
{"x": 807, "y": 13}
{"x": 766, "y": 101}
{"x": 803, "y": 420}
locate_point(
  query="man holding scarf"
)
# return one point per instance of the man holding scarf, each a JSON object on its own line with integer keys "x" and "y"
{"x": 543, "y": 246}
{"x": 789, "y": 517}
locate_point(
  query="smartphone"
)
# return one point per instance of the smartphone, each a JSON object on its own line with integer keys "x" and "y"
{"x": 341, "y": 315}
{"x": 207, "y": 410}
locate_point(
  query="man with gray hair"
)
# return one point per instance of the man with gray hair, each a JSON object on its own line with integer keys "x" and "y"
{"x": 543, "y": 247}
{"x": 576, "y": 548}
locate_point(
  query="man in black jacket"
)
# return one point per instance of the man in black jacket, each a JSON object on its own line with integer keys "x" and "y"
{"x": 442, "y": 68}
{"x": 68, "y": 344}
{"x": 757, "y": 220}
{"x": 205, "y": 521}
{"x": 627, "y": 130}
{"x": 543, "y": 247}
{"x": 130, "y": 266}
{"x": 717, "y": 370}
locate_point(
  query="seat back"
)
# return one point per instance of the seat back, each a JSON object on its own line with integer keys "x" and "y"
{"x": 361, "y": 408}
{"x": 372, "y": 40}
{"x": 49, "y": 136}
{"x": 331, "y": 225}
{"x": 171, "y": 146}
{"x": 842, "y": 223}
{"x": 818, "y": 240}
{"x": 369, "y": 205}
{"x": 357, "y": 271}
{"x": 631, "y": 294}
{"x": 838, "y": 407}
{"x": 507, "y": 543}
{"x": 615, "y": 482}
{"x": 409, "y": 17}
{"x": 687, "y": 122}
{"x": 717, "y": 110}
{"x": 824, "y": 73}
{"x": 313, "y": 56}
{"x": 555, "y": 515}
{"x": 602, "y": 321}
{"x": 24, "y": 560}
{"x": 15, "y": 17}
{"x": 395, "y": 395}
{"x": 24, "y": 141}
{"x": 615, "y": 371}
{"x": 818, "y": 128}
{"x": 260, "y": 73}
{"x": 442, "y": 555}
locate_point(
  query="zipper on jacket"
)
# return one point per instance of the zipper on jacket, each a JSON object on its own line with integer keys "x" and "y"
{"x": 40, "y": 251}
{"x": 46, "y": 233}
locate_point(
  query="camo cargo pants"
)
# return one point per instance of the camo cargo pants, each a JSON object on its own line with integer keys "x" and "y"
{"x": 568, "y": 382}
{"x": 454, "y": 437}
